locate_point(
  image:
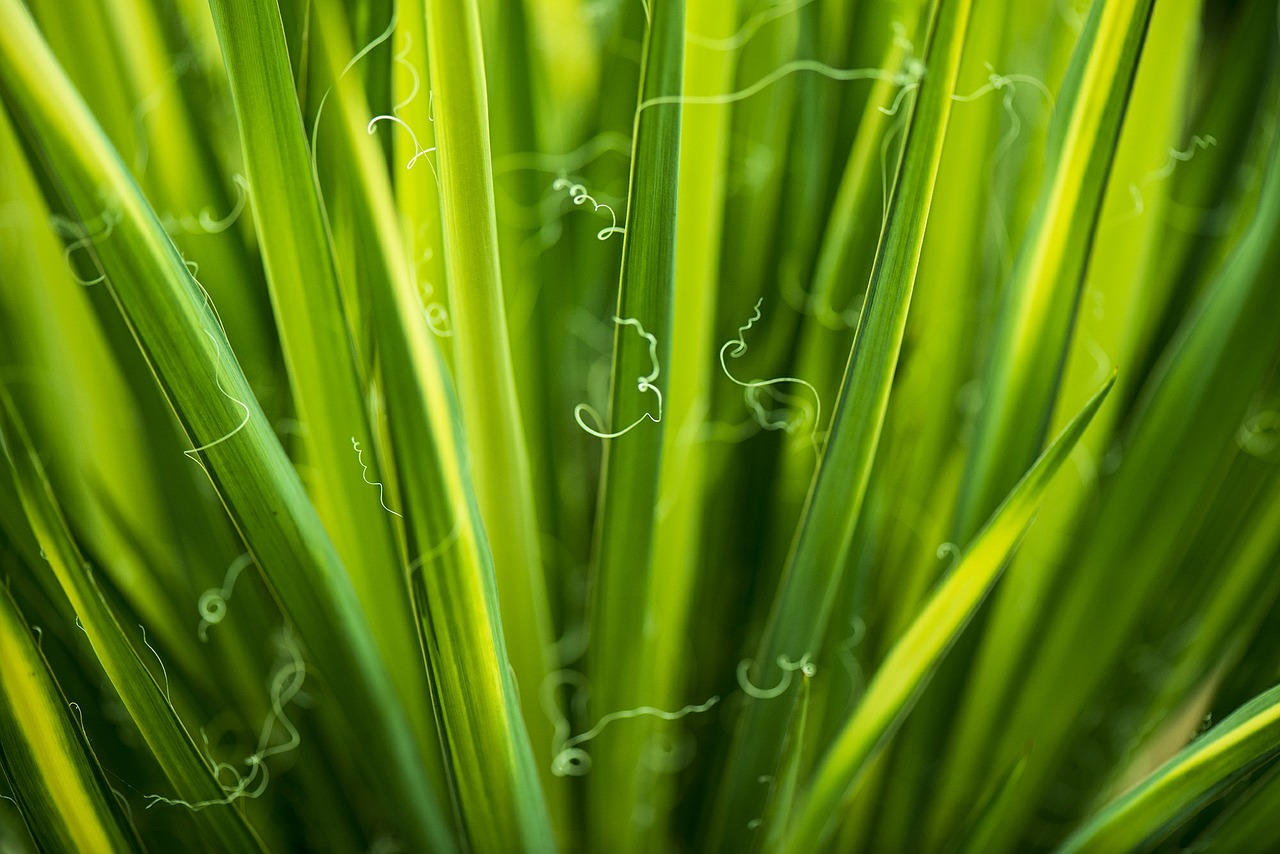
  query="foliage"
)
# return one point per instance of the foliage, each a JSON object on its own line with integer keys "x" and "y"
{"x": 630, "y": 425}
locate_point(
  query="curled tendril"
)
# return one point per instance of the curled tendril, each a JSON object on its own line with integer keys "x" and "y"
{"x": 788, "y": 667}
{"x": 736, "y": 348}
{"x": 364, "y": 474}
{"x": 772, "y": 782}
{"x": 1007, "y": 84}
{"x": 437, "y": 317}
{"x": 212, "y": 604}
{"x": 794, "y": 67}
{"x": 643, "y": 384}
{"x": 579, "y": 196}
{"x": 216, "y": 340}
{"x": 433, "y": 311}
{"x": 572, "y": 761}
{"x": 1197, "y": 143}
{"x": 286, "y": 685}
{"x": 749, "y": 29}
{"x": 164, "y": 671}
{"x": 206, "y": 222}
{"x": 418, "y": 150}
{"x": 83, "y": 235}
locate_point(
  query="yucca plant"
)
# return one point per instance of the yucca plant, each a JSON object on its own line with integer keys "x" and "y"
{"x": 639, "y": 425}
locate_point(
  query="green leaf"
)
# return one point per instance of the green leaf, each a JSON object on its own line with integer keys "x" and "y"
{"x": 1116, "y": 316}
{"x": 1249, "y": 820}
{"x": 147, "y": 703}
{"x": 180, "y": 336}
{"x": 1181, "y": 787}
{"x": 778, "y": 818}
{"x": 1186, "y": 423}
{"x": 47, "y": 325}
{"x": 500, "y": 469}
{"x": 907, "y": 668}
{"x": 809, "y": 582}
{"x": 685, "y": 473}
{"x": 328, "y": 390}
{"x": 451, "y": 573}
{"x": 624, "y": 573}
{"x": 60, "y": 788}
{"x": 1041, "y": 299}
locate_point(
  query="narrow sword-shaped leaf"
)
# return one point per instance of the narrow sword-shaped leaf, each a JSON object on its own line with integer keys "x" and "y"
{"x": 47, "y": 325}
{"x": 1111, "y": 326}
{"x": 61, "y": 790}
{"x": 491, "y": 415}
{"x": 535, "y": 331}
{"x": 146, "y": 702}
{"x": 328, "y": 391}
{"x": 807, "y": 588}
{"x": 451, "y": 572}
{"x": 1183, "y": 785}
{"x": 1188, "y": 415}
{"x": 777, "y": 818}
{"x": 677, "y": 565}
{"x": 1037, "y": 317}
{"x": 1250, "y": 820}
{"x": 632, "y": 460}
{"x": 184, "y": 345}
{"x": 908, "y": 667}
